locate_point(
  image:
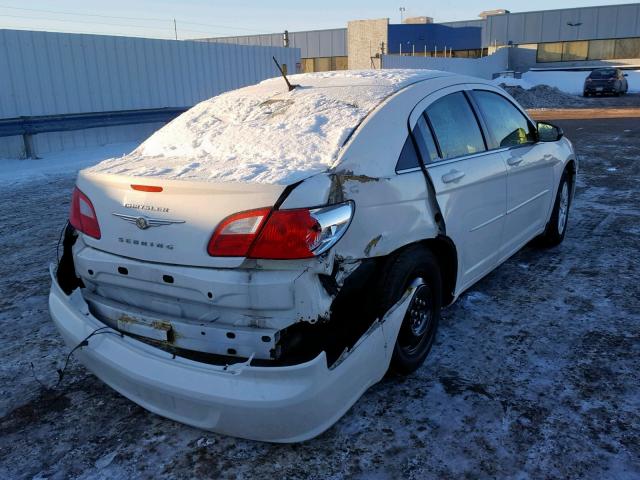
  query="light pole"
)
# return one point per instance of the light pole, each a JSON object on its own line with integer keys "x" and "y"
{"x": 402, "y": 9}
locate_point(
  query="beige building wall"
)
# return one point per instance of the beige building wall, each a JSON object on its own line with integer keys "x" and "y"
{"x": 420, "y": 20}
{"x": 365, "y": 39}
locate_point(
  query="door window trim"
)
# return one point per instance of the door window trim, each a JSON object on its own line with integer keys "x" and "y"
{"x": 438, "y": 94}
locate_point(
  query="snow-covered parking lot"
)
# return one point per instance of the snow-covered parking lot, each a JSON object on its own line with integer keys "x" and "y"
{"x": 535, "y": 373}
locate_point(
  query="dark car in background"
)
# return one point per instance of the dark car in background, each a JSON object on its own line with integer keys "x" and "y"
{"x": 606, "y": 80}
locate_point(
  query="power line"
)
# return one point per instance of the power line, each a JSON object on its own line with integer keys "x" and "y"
{"x": 77, "y": 31}
{"x": 93, "y": 23}
{"x": 164, "y": 20}
{"x": 81, "y": 14}
{"x": 113, "y": 24}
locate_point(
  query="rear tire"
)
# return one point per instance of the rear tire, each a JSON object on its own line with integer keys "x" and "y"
{"x": 415, "y": 266}
{"x": 556, "y": 229}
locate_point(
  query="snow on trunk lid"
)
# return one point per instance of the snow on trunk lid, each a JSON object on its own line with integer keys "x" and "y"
{"x": 171, "y": 226}
{"x": 263, "y": 133}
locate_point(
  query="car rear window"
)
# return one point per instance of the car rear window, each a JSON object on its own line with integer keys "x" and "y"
{"x": 455, "y": 126}
{"x": 607, "y": 73}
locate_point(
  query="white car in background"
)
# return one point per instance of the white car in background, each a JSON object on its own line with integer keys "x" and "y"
{"x": 263, "y": 259}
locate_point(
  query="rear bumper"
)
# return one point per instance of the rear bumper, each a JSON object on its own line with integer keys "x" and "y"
{"x": 601, "y": 89}
{"x": 275, "y": 404}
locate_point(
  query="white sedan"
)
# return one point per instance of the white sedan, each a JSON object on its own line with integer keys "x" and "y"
{"x": 259, "y": 262}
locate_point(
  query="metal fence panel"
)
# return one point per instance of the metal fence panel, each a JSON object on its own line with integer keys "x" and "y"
{"x": 45, "y": 73}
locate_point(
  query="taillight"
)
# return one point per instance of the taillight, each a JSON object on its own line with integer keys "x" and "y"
{"x": 287, "y": 234}
{"x": 236, "y": 233}
{"x": 281, "y": 234}
{"x": 83, "y": 215}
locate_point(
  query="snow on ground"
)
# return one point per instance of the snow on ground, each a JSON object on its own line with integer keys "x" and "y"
{"x": 534, "y": 373}
{"x": 568, "y": 82}
{"x": 14, "y": 171}
{"x": 544, "y": 96}
{"x": 263, "y": 133}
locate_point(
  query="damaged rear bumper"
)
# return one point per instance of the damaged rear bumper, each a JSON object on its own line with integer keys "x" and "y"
{"x": 275, "y": 404}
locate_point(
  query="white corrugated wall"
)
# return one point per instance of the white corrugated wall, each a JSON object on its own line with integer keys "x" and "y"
{"x": 43, "y": 73}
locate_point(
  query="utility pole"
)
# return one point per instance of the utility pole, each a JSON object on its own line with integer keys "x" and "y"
{"x": 402, "y": 9}
{"x": 175, "y": 28}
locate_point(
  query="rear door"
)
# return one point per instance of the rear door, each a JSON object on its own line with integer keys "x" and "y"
{"x": 469, "y": 181}
{"x": 529, "y": 167}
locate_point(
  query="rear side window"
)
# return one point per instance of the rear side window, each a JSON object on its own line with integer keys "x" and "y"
{"x": 425, "y": 142}
{"x": 506, "y": 124}
{"x": 455, "y": 126}
{"x": 408, "y": 156}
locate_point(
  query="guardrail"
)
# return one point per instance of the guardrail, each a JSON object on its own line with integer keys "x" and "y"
{"x": 29, "y": 126}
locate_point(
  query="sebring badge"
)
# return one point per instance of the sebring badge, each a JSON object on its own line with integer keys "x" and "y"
{"x": 143, "y": 222}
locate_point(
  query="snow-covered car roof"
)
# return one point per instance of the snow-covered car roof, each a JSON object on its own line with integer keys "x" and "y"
{"x": 263, "y": 133}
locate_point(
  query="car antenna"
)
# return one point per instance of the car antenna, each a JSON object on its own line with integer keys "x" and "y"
{"x": 284, "y": 75}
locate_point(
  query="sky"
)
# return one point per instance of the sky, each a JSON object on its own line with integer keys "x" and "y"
{"x": 210, "y": 18}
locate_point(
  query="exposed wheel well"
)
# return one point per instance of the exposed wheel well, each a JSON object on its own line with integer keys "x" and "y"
{"x": 445, "y": 252}
{"x": 570, "y": 168}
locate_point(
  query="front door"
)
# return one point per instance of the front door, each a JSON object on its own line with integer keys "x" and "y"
{"x": 529, "y": 168}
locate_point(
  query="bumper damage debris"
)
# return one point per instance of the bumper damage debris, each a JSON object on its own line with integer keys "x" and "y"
{"x": 276, "y": 404}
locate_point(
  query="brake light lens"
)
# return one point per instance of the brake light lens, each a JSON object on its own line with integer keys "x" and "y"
{"x": 288, "y": 234}
{"x": 281, "y": 234}
{"x": 236, "y": 233}
{"x": 83, "y": 216}
{"x": 147, "y": 188}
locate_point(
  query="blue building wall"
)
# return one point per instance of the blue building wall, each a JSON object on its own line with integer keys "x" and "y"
{"x": 433, "y": 35}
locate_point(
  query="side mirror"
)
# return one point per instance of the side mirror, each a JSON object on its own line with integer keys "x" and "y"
{"x": 548, "y": 132}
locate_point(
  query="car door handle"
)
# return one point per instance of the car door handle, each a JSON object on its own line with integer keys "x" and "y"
{"x": 513, "y": 161}
{"x": 452, "y": 176}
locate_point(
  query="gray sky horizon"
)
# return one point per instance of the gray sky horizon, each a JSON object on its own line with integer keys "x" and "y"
{"x": 201, "y": 18}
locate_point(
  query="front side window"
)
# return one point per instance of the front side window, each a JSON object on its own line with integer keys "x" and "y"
{"x": 506, "y": 124}
{"x": 455, "y": 126}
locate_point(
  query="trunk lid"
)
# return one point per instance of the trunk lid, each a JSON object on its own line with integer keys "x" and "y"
{"x": 171, "y": 226}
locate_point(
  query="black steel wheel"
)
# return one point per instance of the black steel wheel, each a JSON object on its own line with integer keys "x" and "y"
{"x": 414, "y": 269}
